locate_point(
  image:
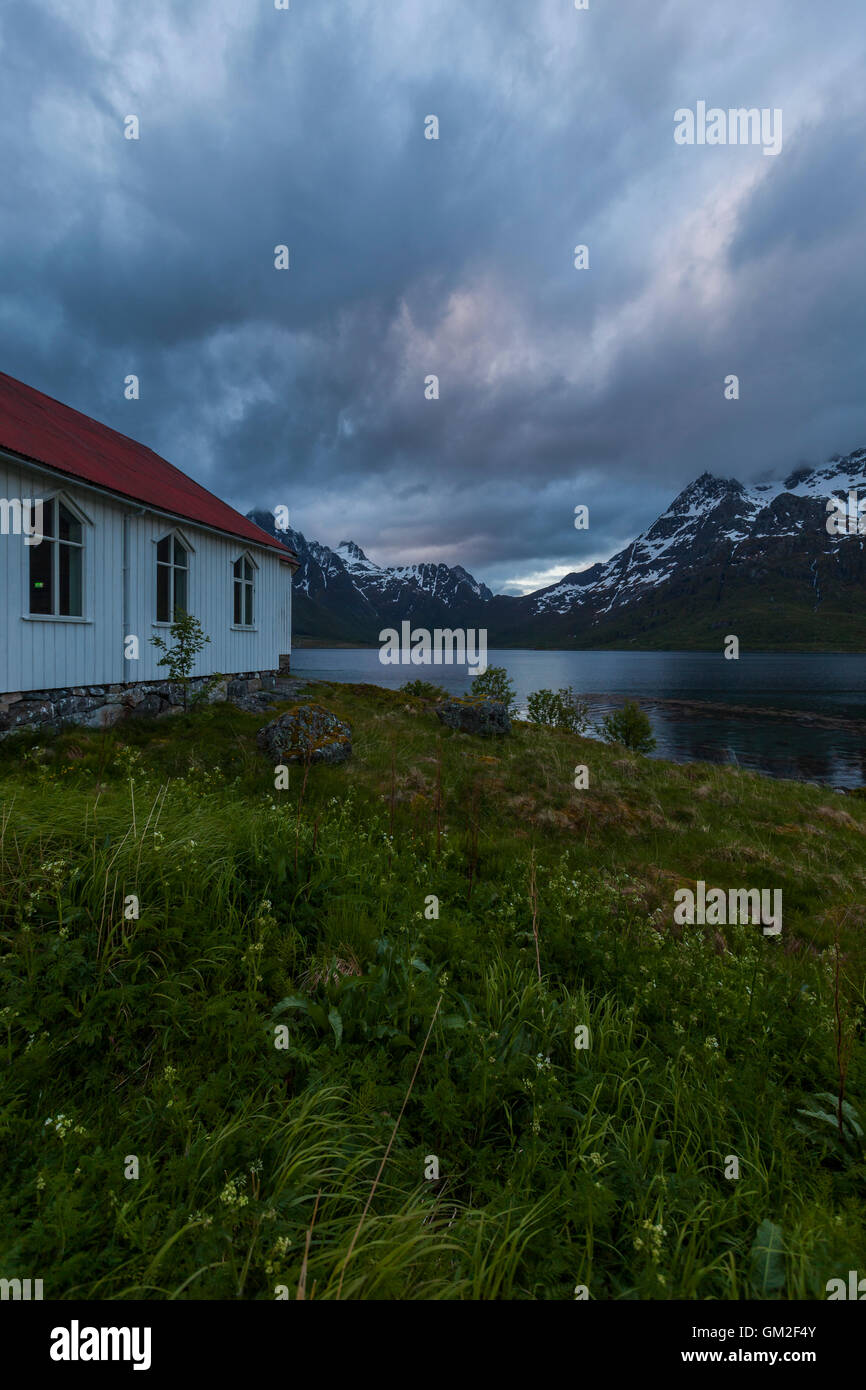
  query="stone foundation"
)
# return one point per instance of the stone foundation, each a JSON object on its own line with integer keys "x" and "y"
{"x": 99, "y": 706}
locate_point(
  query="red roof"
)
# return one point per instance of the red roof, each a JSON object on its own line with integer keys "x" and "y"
{"x": 44, "y": 431}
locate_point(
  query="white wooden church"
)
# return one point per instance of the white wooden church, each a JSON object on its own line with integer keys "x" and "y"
{"x": 121, "y": 542}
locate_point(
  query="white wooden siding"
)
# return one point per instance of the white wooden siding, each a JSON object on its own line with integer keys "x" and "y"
{"x": 45, "y": 653}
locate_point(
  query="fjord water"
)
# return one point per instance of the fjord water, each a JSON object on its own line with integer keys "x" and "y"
{"x": 823, "y": 684}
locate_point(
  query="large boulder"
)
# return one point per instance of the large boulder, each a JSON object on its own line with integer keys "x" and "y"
{"x": 307, "y": 732}
{"x": 489, "y": 718}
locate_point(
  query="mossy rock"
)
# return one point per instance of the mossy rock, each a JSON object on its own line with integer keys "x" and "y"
{"x": 306, "y": 733}
{"x": 483, "y": 717}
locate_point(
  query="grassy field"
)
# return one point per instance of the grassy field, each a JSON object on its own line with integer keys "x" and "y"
{"x": 292, "y": 1038}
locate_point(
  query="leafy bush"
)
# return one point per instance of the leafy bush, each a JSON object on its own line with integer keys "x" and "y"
{"x": 424, "y": 690}
{"x": 560, "y": 709}
{"x": 629, "y": 726}
{"x": 493, "y": 684}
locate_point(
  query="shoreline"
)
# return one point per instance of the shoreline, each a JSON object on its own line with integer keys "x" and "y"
{"x": 715, "y": 708}
{"x": 328, "y": 643}
{"x": 706, "y": 708}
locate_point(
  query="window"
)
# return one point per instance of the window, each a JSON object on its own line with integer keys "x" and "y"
{"x": 243, "y": 592}
{"x": 56, "y": 564}
{"x": 172, "y": 579}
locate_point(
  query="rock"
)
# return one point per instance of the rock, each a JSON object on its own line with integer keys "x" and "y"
{"x": 28, "y": 712}
{"x": 291, "y": 689}
{"x": 103, "y": 717}
{"x": 99, "y": 706}
{"x": 306, "y": 732}
{"x": 169, "y": 690}
{"x": 488, "y": 718}
{"x": 256, "y": 702}
{"x": 132, "y": 697}
{"x": 149, "y": 705}
{"x": 70, "y": 707}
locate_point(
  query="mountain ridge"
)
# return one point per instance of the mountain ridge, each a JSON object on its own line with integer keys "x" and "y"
{"x": 753, "y": 559}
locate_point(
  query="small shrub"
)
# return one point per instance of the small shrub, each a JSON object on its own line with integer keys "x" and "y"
{"x": 629, "y": 726}
{"x": 189, "y": 639}
{"x": 493, "y": 684}
{"x": 560, "y": 709}
{"x": 424, "y": 690}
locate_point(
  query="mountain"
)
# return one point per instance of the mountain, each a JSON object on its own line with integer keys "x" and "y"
{"x": 342, "y": 595}
{"x": 756, "y": 561}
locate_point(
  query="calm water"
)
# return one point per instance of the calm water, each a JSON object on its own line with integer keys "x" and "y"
{"x": 820, "y": 684}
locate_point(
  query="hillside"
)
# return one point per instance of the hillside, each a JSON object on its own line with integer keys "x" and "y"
{"x": 433, "y": 922}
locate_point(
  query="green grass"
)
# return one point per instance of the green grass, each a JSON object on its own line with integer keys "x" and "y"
{"x": 305, "y": 910}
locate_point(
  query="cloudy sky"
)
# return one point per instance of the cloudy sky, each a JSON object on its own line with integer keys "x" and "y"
{"x": 455, "y": 257}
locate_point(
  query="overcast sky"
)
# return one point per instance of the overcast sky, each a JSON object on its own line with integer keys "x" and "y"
{"x": 455, "y": 257}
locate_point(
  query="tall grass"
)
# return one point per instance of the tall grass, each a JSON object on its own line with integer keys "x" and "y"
{"x": 411, "y": 1035}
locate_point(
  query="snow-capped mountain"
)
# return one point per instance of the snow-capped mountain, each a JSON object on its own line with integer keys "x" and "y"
{"x": 755, "y": 560}
{"x": 713, "y": 518}
{"x": 438, "y": 581}
{"x": 342, "y": 593}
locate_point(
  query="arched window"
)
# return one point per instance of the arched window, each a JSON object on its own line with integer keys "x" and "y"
{"x": 244, "y": 591}
{"x": 172, "y": 578}
{"x": 57, "y": 562}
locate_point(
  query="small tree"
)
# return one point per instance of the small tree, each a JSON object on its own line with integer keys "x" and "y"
{"x": 629, "y": 726}
{"x": 189, "y": 639}
{"x": 493, "y": 684}
{"x": 560, "y": 709}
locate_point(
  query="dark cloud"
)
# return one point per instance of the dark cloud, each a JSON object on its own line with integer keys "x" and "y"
{"x": 452, "y": 257}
